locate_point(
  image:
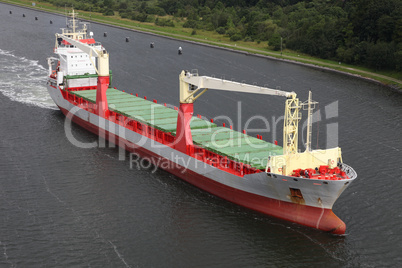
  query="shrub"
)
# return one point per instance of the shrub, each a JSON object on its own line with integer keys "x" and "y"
{"x": 108, "y": 12}
{"x": 221, "y": 30}
{"x": 139, "y": 16}
{"x": 190, "y": 24}
{"x": 164, "y": 22}
{"x": 236, "y": 37}
{"x": 275, "y": 41}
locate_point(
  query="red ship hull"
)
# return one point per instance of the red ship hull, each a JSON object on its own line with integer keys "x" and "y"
{"x": 319, "y": 218}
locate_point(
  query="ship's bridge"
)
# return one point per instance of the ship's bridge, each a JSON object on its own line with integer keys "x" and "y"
{"x": 74, "y": 62}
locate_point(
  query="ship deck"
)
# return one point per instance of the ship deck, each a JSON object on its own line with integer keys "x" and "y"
{"x": 221, "y": 140}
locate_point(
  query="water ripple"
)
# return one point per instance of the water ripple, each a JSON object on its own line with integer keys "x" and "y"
{"x": 24, "y": 80}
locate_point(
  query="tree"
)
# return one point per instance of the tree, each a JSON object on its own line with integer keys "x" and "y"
{"x": 275, "y": 41}
{"x": 109, "y": 12}
{"x": 380, "y": 55}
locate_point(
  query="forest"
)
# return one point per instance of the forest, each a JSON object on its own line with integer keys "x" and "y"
{"x": 359, "y": 32}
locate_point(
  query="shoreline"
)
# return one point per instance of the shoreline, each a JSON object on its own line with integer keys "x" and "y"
{"x": 393, "y": 87}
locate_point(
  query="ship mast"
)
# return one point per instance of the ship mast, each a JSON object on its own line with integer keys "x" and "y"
{"x": 310, "y": 104}
{"x": 71, "y": 30}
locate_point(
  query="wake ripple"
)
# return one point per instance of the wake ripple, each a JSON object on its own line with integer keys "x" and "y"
{"x": 24, "y": 80}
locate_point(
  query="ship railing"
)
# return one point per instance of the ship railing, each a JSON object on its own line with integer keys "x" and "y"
{"x": 95, "y": 44}
{"x": 67, "y": 46}
{"x": 194, "y": 72}
{"x": 349, "y": 171}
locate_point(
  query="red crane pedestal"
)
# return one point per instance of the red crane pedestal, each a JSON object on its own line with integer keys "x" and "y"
{"x": 101, "y": 99}
{"x": 183, "y": 130}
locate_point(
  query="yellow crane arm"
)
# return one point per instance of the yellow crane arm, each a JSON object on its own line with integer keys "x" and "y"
{"x": 190, "y": 84}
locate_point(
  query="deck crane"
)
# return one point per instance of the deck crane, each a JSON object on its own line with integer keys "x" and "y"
{"x": 193, "y": 86}
{"x": 102, "y": 68}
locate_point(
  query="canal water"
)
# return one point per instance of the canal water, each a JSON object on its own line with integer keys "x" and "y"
{"x": 65, "y": 206}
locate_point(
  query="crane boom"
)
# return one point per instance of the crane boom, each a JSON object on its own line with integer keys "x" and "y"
{"x": 205, "y": 82}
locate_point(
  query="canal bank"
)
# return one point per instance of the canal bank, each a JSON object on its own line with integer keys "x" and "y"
{"x": 393, "y": 83}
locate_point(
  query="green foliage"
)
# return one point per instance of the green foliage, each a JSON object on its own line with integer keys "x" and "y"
{"x": 380, "y": 55}
{"x": 109, "y": 12}
{"x": 232, "y": 31}
{"x": 155, "y": 10}
{"x": 398, "y": 60}
{"x": 164, "y": 22}
{"x": 362, "y": 32}
{"x": 139, "y": 16}
{"x": 221, "y": 30}
{"x": 236, "y": 37}
{"x": 190, "y": 24}
{"x": 275, "y": 41}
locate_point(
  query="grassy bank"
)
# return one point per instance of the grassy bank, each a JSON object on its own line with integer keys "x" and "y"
{"x": 391, "y": 78}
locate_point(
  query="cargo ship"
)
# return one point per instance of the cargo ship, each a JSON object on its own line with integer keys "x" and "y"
{"x": 280, "y": 181}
